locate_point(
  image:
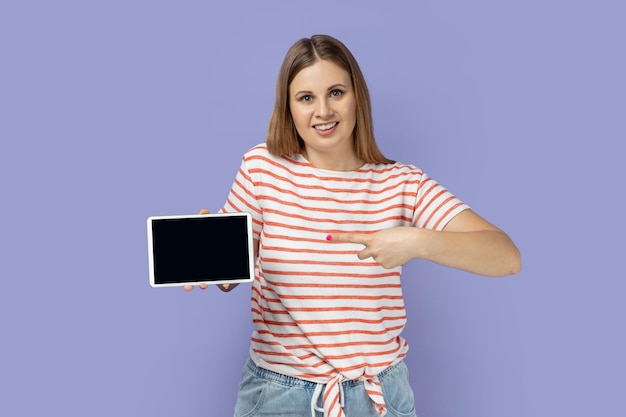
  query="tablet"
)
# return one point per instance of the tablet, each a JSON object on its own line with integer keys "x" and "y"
{"x": 200, "y": 248}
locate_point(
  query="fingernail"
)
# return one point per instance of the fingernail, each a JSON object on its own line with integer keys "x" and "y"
{"x": 329, "y": 237}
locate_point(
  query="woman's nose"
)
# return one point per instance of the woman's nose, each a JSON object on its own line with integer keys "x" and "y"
{"x": 324, "y": 110}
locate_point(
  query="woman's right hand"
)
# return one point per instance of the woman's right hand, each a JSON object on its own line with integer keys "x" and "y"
{"x": 223, "y": 287}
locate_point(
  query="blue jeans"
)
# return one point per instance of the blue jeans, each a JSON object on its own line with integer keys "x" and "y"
{"x": 263, "y": 393}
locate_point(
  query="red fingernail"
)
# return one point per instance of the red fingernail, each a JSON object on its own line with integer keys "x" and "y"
{"x": 329, "y": 237}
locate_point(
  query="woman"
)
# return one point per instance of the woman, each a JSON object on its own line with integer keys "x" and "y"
{"x": 334, "y": 221}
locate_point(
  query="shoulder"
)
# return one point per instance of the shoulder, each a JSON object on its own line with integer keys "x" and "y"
{"x": 259, "y": 156}
{"x": 258, "y": 153}
{"x": 395, "y": 170}
{"x": 257, "y": 150}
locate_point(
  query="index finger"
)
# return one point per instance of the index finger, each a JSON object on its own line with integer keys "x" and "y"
{"x": 360, "y": 238}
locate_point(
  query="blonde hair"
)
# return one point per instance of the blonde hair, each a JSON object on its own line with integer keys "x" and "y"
{"x": 282, "y": 138}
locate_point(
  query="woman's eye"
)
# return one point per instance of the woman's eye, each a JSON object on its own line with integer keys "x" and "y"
{"x": 306, "y": 99}
{"x": 336, "y": 93}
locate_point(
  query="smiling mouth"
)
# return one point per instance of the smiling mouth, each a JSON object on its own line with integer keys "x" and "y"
{"x": 326, "y": 126}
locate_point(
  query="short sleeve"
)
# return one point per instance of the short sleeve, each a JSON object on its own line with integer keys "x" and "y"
{"x": 435, "y": 206}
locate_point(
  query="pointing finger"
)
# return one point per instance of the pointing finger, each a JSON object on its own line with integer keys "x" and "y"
{"x": 359, "y": 238}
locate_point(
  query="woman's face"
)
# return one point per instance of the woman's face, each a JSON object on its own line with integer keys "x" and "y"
{"x": 323, "y": 107}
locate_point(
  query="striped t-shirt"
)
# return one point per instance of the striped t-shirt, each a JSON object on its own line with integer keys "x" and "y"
{"x": 320, "y": 313}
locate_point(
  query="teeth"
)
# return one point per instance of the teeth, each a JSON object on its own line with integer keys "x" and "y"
{"x": 326, "y": 126}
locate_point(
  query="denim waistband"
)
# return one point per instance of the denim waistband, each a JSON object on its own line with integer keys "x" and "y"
{"x": 291, "y": 381}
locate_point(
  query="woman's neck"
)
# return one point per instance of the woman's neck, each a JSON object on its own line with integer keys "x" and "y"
{"x": 331, "y": 162}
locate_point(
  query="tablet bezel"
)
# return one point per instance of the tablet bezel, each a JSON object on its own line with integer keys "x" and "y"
{"x": 190, "y": 281}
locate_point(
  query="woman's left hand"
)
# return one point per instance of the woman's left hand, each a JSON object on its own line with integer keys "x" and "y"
{"x": 389, "y": 247}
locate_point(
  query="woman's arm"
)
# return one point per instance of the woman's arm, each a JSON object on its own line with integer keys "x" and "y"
{"x": 471, "y": 243}
{"x": 468, "y": 242}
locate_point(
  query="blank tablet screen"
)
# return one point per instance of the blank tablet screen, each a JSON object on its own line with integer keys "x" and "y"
{"x": 211, "y": 248}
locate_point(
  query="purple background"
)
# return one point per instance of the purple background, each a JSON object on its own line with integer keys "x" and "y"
{"x": 114, "y": 111}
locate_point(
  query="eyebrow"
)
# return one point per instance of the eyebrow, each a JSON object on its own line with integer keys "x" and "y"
{"x": 332, "y": 87}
